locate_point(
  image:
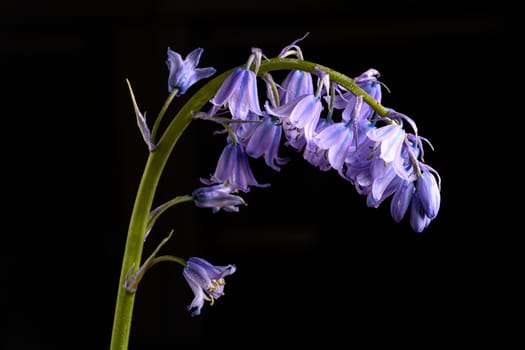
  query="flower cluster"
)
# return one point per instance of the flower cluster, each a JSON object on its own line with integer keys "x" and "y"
{"x": 332, "y": 127}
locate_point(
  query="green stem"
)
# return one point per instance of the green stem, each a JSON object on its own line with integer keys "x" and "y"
{"x": 341, "y": 79}
{"x": 162, "y": 113}
{"x": 156, "y": 163}
{"x": 131, "y": 284}
{"x": 171, "y": 258}
{"x": 162, "y": 208}
{"x": 142, "y": 207}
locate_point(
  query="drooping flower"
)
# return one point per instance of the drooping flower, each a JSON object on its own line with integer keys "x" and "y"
{"x": 314, "y": 154}
{"x": 347, "y": 100}
{"x": 233, "y": 168}
{"x": 401, "y": 200}
{"x": 340, "y": 138}
{"x": 296, "y": 83}
{"x": 206, "y": 281}
{"x": 239, "y": 93}
{"x": 428, "y": 190}
{"x": 184, "y": 73}
{"x": 303, "y": 113}
{"x": 217, "y": 197}
{"x": 265, "y": 139}
{"x": 421, "y": 200}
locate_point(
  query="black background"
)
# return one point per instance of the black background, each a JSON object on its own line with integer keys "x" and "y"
{"x": 314, "y": 263}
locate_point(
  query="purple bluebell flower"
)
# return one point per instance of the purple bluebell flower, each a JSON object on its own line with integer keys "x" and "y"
{"x": 296, "y": 83}
{"x": 421, "y": 199}
{"x": 390, "y": 140}
{"x": 239, "y": 94}
{"x": 357, "y": 167}
{"x": 385, "y": 182}
{"x": 233, "y": 168}
{"x": 418, "y": 219}
{"x": 217, "y": 197}
{"x": 303, "y": 113}
{"x": 184, "y": 73}
{"x": 368, "y": 82}
{"x": 401, "y": 200}
{"x": 346, "y": 100}
{"x": 315, "y": 155}
{"x": 426, "y": 199}
{"x": 206, "y": 281}
{"x": 265, "y": 139}
{"x": 428, "y": 190}
{"x": 340, "y": 138}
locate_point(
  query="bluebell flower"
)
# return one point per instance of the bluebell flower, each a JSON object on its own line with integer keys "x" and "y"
{"x": 265, "y": 139}
{"x": 368, "y": 81}
{"x": 217, "y": 197}
{"x": 401, "y": 200}
{"x": 206, "y": 281}
{"x": 390, "y": 139}
{"x": 428, "y": 191}
{"x": 418, "y": 219}
{"x": 383, "y": 182}
{"x": 426, "y": 200}
{"x": 183, "y": 73}
{"x": 314, "y": 154}
{"x": 234, "y": 169}
{"x": 341, "y": 138}
{"x": 239, "y": 93}
{"x": 346, "y": 100}
{"x": 303, "y": 113}
{"x": 421, "y": 199}
{"x": 357, "y": 166}
{"x": 296, "y": 83}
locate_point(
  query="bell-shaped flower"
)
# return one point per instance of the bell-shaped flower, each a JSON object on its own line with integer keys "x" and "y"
{"x": 206, "y": 281}
{"x": 428, "y": 191}
{"x": 401, "y": 200}
{"x": 217, "y": 197}
{"x": 368, "y": 81}
{"x": 340, "y": 138}
{"x": 418, "y": 219}
{"x": 303, "y": 113}
{"x": 234, "y": 169}
{"x": 384, "y": 182}
{"x": 421, "y": 199}
{"x": 346, "y": 100}
{"x": 313, "y": 153}
{"x": 184, "y": 73}
{"x": 239, "y": 93}
{"x": 265, "y": 139}
{"x": 296, "y": 83}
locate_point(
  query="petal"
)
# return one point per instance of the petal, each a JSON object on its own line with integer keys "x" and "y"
{"x": 194, "y": 57}
{"x": 428, "y": 193}
{"x": 401, "y": 200}
{"x": 225, "y": 164}
{"x": 331, "y": 135}
{"x": 228, "y": 87}
{"x": 418, "y": 220}
{"x": 200, "y": 73}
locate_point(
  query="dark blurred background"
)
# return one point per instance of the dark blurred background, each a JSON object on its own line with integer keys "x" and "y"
{"x": 314, "y": 263}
